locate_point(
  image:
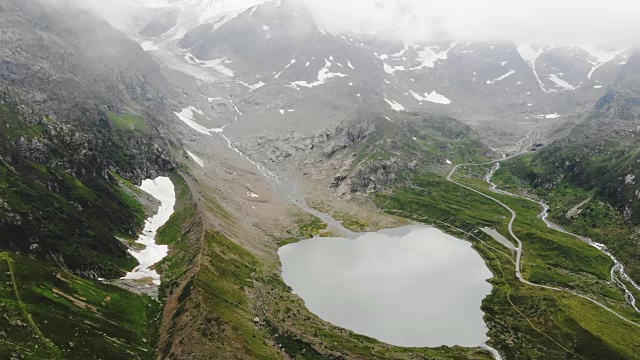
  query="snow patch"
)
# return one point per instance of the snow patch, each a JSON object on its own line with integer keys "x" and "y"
{"x": 401, "y": 52}
{"x": 349, "y": 64}
{"x": 149, "y": 46}
{"x": 186, "y": 115}
{"x": 430, "y": 55}
{"x": 394, "y": 105}
{"x": 552, "y": 116}
{"x": 195, "y": 158}
{"x": 220, "y": 12}
{"x": 162, "y": 189}
{"x": 252, "y": 195}
{"x": 561, "y": 83}
{"x": 630, "y": 179}
{"x": 323, "y": 75}
{"x": 498, "y": 79}
{"x": 433, "y": 97}
{"x": 252, "y": 87}
{"x": 530, "y": 56}
{"x": 212, "y": 99}
{"x": 293, "y": 61}
{"x": 599, "y": 57}
{"x": 216, "y": 64}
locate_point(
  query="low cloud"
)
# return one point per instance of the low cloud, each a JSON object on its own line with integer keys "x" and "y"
{"x": 589, "y": 22}
{"x": 580, "y": 22}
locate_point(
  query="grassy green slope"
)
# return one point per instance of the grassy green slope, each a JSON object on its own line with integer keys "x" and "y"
{"x": 51, "y": 314}
{"x": 598, "y": 218}
{"x": 527, "y": 322}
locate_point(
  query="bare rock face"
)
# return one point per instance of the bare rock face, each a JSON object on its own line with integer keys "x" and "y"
{"x": 160, "y": 23}
{"x": 367, "y": 153}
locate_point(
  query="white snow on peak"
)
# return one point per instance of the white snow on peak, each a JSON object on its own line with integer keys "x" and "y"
{"x": 530, "y": 56}
{"x": 447, "y": 161}
{"x": 391, "y": 69}
{"x": 597, "y": 86}
{"x": 216, "y": 64}
{"x": 307, "y": 64}
{"x": 265, "y": 27}
{"x": 394, "y": 105}
{"x": 223, "y": 10}
{"x": 349, "y": 64}
{"x": 195, "y": 158}
{"x": 600, "y": 57}
{"x": 561, "y": 83}
{"x": 433, "y": 97}
{"x": 323, "y": 75}
{"x": 430, "y": 55}
{"x": 500, "y": 78}
{"x": 252, "y": 194}
{"x": 162, "y": 189}
{"x": 281, "y": 111}
{"x": 552, "y": 116}
{"x": 381, "y": 57}
{"x": 293, "y": 61}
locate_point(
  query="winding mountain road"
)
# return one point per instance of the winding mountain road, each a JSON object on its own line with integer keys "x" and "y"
{"x": 519, "y": 248}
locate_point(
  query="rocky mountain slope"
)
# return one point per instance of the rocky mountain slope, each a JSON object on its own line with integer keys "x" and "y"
{"x": 79, "y": 107}
{"x": 370, "y": 152}
{"x": 274, "y": 52}
{"x": 600, "y": 151}
{"x": 591, "y": 173}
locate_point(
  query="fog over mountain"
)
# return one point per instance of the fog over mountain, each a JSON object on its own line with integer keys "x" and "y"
{"x": 564, "y": 22}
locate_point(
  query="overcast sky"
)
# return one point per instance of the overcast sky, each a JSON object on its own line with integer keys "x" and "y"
{"x": 588, "y": 22}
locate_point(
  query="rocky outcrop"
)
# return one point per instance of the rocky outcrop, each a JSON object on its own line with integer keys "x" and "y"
{"x": 372, "y": 176}
{"x": 160, "y": 23}
{"x": 369, "y": 152}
